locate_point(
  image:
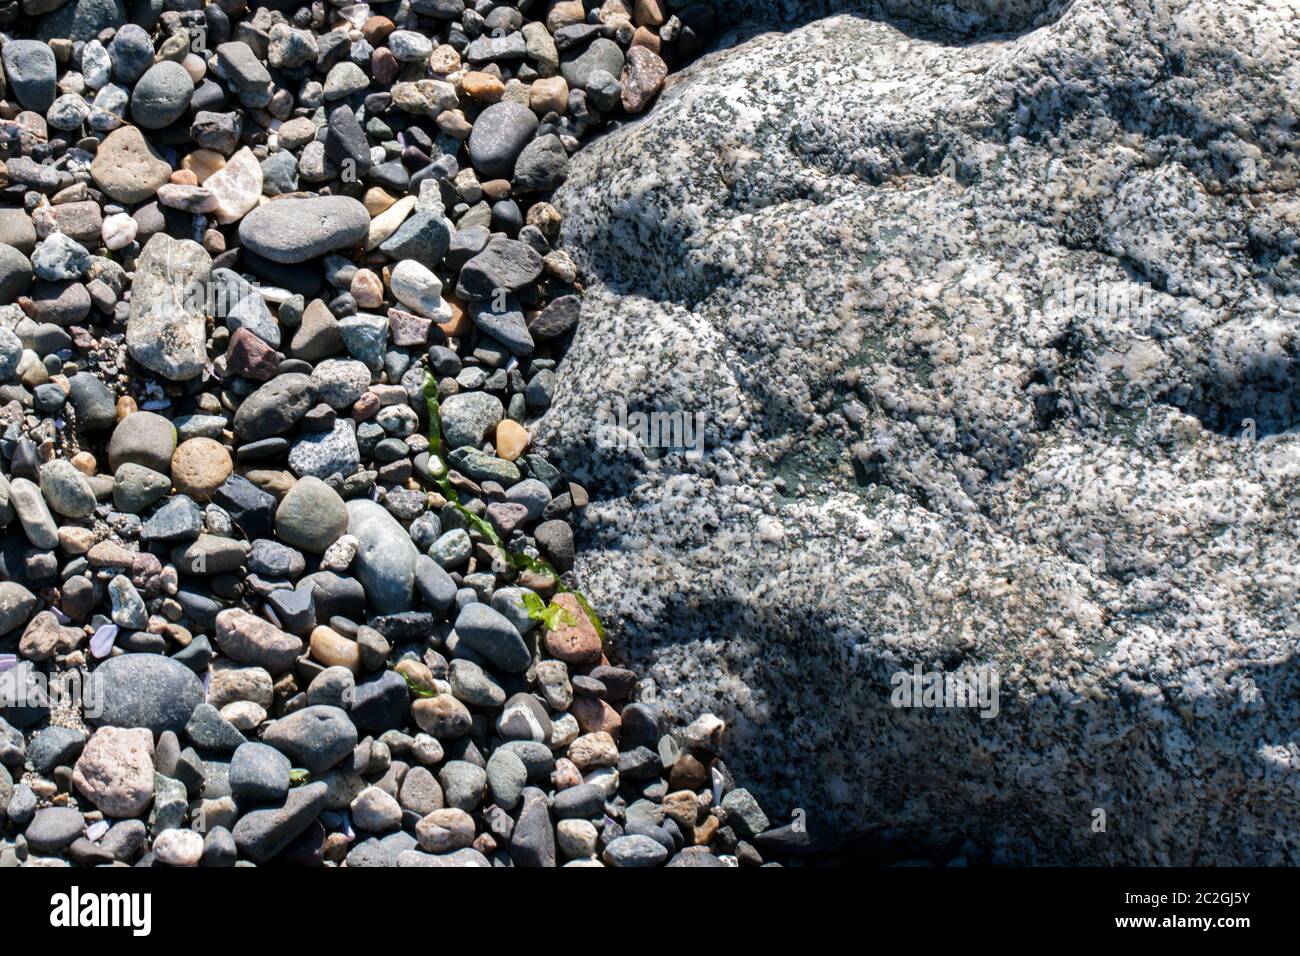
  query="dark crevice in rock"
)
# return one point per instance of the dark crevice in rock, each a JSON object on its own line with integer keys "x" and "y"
{"x": 1259, "y": 397}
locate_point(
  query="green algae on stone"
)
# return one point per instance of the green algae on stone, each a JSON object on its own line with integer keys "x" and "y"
{"x": 438, "y": 469}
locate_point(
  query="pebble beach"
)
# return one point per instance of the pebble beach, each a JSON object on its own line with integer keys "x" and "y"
{"x": 284, "y": 575}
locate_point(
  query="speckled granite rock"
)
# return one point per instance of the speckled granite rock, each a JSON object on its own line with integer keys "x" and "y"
{"x": 963, "y": 18}
{"x": 851, "y": 246}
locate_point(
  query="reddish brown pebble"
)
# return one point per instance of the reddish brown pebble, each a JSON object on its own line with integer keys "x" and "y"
{"x": 250, "y": 357}
{"x": 574, "y": 640}
{"x": 495, "y": 189}
{"x": 594, "y": 716}
{"x": 377, "y": 29}
{"x": 643, "y": 75}
{"x": 459, "y": 324}
{"x": 383, "y": 65}
{"x": 648, "y": 13}
{"x": 688, "y": 773}
{"x": 647, "y": 38}
{"x": 367, "y": 406}
{"x": 483, "y": 87}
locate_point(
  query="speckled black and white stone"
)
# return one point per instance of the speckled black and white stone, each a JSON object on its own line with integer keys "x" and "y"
{"x": 841, "y": 242}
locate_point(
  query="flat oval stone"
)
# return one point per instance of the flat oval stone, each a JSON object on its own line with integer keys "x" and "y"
{"x": 490, "y": 634}
{"x": 30, "y": 67}
{"x": 66, "y": 489}
{"x": 249, "y": 639}
{"x": 316, "y": 737}
{"x": 311, "y": 516}
{"x": 500, "y": 134}
{"x": 54, "y": 828}
{"x": 385, "y": 561}
{"x": 126, "y": 168}
{"x": 162, "y": 95}
{"x": 143, "y": 690}
{"x": 295, "y": 230}
{"x": 634, "y": 851}
{"x": 276, "y": 407}
{"x": 577, "y": 64}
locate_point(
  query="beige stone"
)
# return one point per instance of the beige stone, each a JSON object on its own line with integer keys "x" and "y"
{"x": 417, "y": 674}
{"x": 550, "y": 94}
{"x": 75, "y": 540}
{"x": 296, "y": 133}
{"x": 511, "y": 439}
{"x": 126, "y": 169}
{"x": 443, "y": 831}
{"x": 367, "y": 289}
{"x": 454, "y": 124}
{"x": 332, "y": 649}
{"x": 195, "y": 66}
{"x": 203, "y": 163}
{"x": 376, "y": 201}
{"x": 546, "y": 218}
{"x": 612, "y": 11}
{"x": 386, "y": 223}
{"x": 45, "y": 637}
{"x": 706, "y": 829}
{"x": 683, "y": 808}
{"x": 576, "y": 839}
{"x": 244, "y": 715}
{"x": 115, "y": 771}
{"x": 483, "y": 87}
{"x": 591, "y": 751}
{"x": 444, "y": 59}
{"x": 231, "y": 684}
{"x": 565, "y": 13}
{"x": 199, "y": 466}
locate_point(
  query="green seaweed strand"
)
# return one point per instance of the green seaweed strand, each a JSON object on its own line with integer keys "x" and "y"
{"x": 549, "y": 616}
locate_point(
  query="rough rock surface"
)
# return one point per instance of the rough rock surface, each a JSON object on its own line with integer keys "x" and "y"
{"x": 993, "y": 341}
{"x": 165, "y": 330}
{"x": 116, "y": 771}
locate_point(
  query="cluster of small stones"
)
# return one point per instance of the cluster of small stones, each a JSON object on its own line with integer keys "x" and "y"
{"x": 239, "y": 619}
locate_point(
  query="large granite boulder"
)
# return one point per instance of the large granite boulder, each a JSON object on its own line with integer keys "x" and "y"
{"x": 993, "y": 339}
